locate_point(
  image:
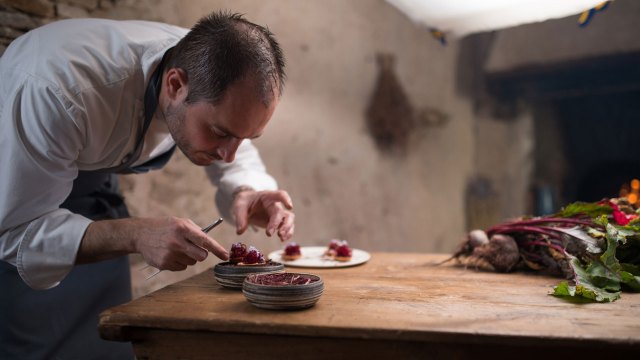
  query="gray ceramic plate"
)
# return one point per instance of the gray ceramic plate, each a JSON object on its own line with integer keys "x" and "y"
{"x": 232, "y": 276}
{"x": 283, "y": 291}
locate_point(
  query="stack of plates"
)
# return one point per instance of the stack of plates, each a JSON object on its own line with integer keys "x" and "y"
{"x": 232, "y": 276}
{"x": 285, "y": 291}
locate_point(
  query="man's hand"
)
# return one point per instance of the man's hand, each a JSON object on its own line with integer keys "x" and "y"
{"x": 165, "y": 243}
{"x": 267, "y": 209}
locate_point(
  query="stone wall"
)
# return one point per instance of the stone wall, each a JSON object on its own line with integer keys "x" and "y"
{"x": 20, "y": 16}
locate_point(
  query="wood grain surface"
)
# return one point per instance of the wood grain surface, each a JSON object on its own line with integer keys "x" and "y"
{"x": 397, "y": 304}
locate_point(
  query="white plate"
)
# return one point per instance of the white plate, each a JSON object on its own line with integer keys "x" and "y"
{"x": 312, "y": 258}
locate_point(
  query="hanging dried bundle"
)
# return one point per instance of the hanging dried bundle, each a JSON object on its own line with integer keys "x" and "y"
{"x": 389, "y": 116}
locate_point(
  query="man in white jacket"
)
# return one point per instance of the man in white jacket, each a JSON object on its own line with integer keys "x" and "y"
{"x": 83, "y": 100}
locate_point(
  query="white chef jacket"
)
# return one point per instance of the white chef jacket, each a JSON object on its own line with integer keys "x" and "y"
{"x": 71, "y": 98}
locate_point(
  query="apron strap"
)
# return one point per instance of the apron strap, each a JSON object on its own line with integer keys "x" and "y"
{"x": 150, "y": 105}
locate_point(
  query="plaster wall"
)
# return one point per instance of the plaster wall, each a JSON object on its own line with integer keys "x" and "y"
{"x": 317, "y": 145}
{"x": 611, "y": 32}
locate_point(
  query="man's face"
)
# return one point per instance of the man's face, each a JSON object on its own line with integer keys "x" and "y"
{"x": 206, "y": 132}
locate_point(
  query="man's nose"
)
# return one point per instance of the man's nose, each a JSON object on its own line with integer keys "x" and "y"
{"x": 228, "y": 150}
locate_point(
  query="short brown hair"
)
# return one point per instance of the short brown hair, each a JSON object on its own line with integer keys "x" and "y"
{"x": 221, "y": 49}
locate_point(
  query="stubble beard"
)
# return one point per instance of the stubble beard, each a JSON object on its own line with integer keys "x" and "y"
{"x": 175, "y": 118}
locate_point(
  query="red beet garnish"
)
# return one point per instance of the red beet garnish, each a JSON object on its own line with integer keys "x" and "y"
{"x": 238, "y": 252}
{"x": 281, "y": 279}
{"x": 292, "y": 249}
{"x": 253, "y": 256}
{"x": 343, "y": 251}
{"x": 335, "y": 243}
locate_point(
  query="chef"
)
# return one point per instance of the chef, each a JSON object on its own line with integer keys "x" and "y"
{"x": 84, "y": 100}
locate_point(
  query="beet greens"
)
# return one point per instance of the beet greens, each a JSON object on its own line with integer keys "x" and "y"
{"x": 595, "y": 246}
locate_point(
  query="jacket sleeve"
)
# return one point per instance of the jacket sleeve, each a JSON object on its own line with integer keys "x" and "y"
{"x": 246, "y": 170}
{"x": 40, "y": 143}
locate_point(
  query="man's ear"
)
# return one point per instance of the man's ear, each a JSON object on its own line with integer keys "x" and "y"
{"x": 176, "y": 83}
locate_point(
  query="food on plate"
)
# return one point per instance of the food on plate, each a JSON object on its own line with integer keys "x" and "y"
{"x": 242, "y": 255}
{"x": 291, "y": 252}
{"x": 338, "y": 250}
{"x": 282, "y": 279}
{"x": 331, "y": 249}
{"x": 343, "y": 252}
{"x": 238, "y": 251}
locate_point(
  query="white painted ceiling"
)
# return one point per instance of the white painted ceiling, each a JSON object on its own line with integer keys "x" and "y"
{"x": 463, "y": 17}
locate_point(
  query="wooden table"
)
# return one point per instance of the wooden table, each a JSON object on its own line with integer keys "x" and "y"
{"x": 400, "y": 306}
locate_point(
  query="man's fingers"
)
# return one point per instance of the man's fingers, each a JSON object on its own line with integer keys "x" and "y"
{"x": 196, "y": 252}
{"x": 175, "y": 266}
{"x": 285, "y": 232}
{"x": 280, "y": 222}
{"x": 205, "y": 243}
{"x": 185, "y": 260}
{"x": 241, "y": 215}
{"x": 278, "y": 196}
{"x": 217, "y": 249}
{"x": 268, "y": 209}
{"x": 274, "y": 222}
{"x": 286, "y": 199}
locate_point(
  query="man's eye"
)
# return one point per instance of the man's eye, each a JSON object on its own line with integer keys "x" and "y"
{"x": 220, "y": 134}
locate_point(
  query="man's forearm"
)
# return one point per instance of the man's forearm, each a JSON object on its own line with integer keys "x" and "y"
{"x": 106, "y": 239}
{"x": 169, "y": 243}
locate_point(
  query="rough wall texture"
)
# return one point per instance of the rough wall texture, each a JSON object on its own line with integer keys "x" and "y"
{"x": 611, "y": 32}
{"x": 317, "y": 144}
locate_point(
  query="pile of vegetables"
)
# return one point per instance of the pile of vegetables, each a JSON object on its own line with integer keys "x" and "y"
{"x": 594, "y": 246}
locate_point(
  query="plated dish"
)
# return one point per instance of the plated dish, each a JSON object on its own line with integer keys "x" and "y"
{"x": 283, "y": 291}
{"x": 243, "y": 261}
{"x": 315, "y": 257}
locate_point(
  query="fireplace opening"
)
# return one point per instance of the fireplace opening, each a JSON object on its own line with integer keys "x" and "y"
{"x": 586, "y": 127}
{"x": 600, "y": 133}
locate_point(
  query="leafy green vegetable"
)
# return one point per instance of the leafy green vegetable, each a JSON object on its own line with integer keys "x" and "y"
{"x": 603, "y": 278}
{"x": 585, "y": 292}
{"x": 594, "y": 283}
{"x": 582, "y": 208}
{"x": 596, "y": 246}
{"x": 630, "y": 280}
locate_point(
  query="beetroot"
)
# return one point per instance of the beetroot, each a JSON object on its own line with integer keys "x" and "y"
{"x": 237, "y": 253}
{"x": 334, "y": 243}
{"x": 281, "y": 279}
{"x": 253, "y": 256}
{"x": 477, "y": 238}
{"x": 501, "y": 252}
{"x": 343, "y": 251}
{"x": 292, "y": 249}
{"x": 241, "y": 254}
{"x": 594, "y": 246}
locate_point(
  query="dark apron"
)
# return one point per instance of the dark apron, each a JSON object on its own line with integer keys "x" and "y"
{"x": 62, "y": 322}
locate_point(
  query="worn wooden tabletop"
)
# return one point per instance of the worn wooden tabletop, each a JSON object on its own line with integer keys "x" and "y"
{"x": 395, "y": 297}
